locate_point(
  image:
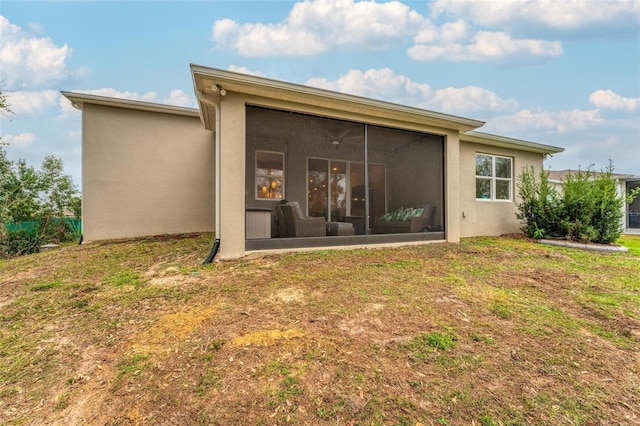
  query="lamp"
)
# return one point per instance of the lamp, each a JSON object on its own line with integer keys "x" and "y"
{"x": 218, "y": 88}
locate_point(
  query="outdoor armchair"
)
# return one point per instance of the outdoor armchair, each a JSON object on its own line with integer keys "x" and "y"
{"x": 294, "y": 224}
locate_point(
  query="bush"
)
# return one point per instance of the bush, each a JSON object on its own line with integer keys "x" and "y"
{"x": 589, "y": 208}
{"x": 579, "y": 199}
{"x": 541, "y": 207}
{"x": 26, "y": 237}
{"x": 19, "y": 242}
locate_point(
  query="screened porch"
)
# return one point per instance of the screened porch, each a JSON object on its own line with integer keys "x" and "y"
{"x": 315, "y": 181}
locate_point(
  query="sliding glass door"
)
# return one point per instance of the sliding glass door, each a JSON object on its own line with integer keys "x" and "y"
{"x": 336, "y": 190}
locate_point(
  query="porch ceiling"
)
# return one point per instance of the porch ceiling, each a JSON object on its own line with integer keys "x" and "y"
{"x": 206, "y": 79}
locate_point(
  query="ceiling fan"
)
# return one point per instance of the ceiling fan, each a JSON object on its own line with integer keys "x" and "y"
{"x": 350, "y": 136}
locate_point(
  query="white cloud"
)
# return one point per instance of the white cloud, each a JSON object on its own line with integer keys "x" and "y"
{"x": 561, "y": 122}
{"x": 180, "y": 98}
{"x": 316, "y": 26}
{"x": 245, "y": 70}
{"x": 386, "y": 85}
{"x": 113, "y": 93}
{"x": 20, "y": 140}
{"x": 607, "y": 99}
{"x": 28, "y": 61}
{"x": 471, "y": 98}
{"x": 604, "y": 17}
{"x": 481, "y": 46}
{"x": 24, "y": 103}
{"x": 378, "y": 84}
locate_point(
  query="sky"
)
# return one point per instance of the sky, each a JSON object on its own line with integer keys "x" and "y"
{"x": 561, "y": 73}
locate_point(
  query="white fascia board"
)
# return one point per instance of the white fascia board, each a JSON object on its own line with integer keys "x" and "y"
{"x": 78, "y": 100}
{"x": 505, "y": 142}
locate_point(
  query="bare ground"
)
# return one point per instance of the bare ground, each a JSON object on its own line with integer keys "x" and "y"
{"x": 490, "y": 331}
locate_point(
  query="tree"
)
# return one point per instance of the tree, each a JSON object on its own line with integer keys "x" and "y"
{"x": 37, "y": 199}
{"x": 4, "y": 105}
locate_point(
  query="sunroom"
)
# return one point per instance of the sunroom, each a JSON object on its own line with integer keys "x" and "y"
{"x": 319, "y": 167}
{"x": 326, "y": 169}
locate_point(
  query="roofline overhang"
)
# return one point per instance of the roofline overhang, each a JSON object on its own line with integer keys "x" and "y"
{"x": 616, "y": 176}
{"x": 78, "y": 100}
{"x": 206, "y": 80}
{"x": 505, "y": 142}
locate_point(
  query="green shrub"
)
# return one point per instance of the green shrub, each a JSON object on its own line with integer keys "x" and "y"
{"x": 608, "y": 213}
{"x": 19, "y": 242}
{"x": 541, "y": 207}
{"x": 589, "y": 208}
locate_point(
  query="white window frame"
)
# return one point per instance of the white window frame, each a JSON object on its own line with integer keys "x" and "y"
{"x": 493, "y": 179}
{"x": 255, "y": 168}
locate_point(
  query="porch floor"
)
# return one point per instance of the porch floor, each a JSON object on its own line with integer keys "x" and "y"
{"x": 267, "y": 244}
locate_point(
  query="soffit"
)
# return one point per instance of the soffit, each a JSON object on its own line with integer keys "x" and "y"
{"x": 206, "y": 79}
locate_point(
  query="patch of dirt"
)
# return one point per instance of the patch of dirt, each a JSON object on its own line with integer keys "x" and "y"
{"x": 170, "y": 329}
{"x": 335, "y": 338}
{"x": 289, "y": 295}
{"x": 266, "y": 337}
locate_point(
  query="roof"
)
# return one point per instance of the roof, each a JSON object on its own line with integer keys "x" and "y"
{"x": 207, "y": 80}
{"x": 561, "y": 175}
{"x": 505, "y": 142}
{"x": 78, "y": 100}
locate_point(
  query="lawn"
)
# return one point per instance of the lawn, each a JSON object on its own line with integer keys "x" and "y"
{"x": 489, "y": 331}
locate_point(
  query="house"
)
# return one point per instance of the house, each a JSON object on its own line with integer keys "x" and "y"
{"x": 625, "y": 184}
{"x": 340, "y": 162}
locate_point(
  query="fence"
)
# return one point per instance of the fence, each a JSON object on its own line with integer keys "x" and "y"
{"x": 34, "y": 225}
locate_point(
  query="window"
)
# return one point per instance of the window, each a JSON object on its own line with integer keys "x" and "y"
{"x": 269, "y": 175}
{"x": 493, "y": 177}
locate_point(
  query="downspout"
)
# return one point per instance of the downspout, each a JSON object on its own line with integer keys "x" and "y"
{"x": 216, "y": 107}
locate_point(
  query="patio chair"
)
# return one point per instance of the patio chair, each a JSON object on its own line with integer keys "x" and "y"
{"x": 294, "y": 224}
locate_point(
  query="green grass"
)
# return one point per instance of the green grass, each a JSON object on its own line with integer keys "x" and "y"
{"x": 490, "y": 330}
{"x": 632, "y": 242}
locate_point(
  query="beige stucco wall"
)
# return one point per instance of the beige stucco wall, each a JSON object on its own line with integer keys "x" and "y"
{"x": 481, "y": 217}
{"x": 452, "y": 186}
{"x": 232, "y": 176}
{"x": 145, "y": 173}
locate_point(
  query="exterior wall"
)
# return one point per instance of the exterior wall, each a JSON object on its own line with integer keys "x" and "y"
{"x": 145, "y": 173}
{"x": 232, "y": 176}
{"x": 480, "y": 217}
{"x": 453, "y": 190}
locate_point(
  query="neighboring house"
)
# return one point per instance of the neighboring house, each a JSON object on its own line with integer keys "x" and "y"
{"x": 624, "y": 185}
{"x": 255, "y": 142}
